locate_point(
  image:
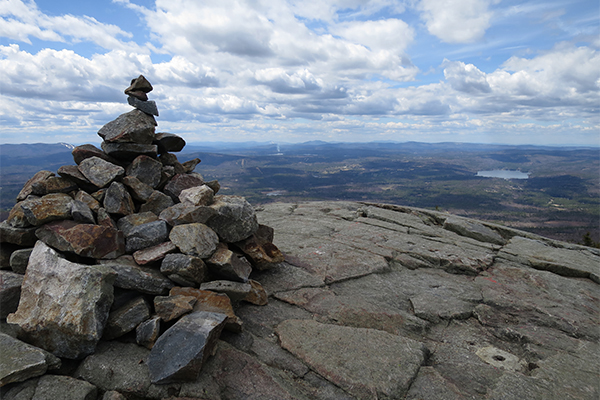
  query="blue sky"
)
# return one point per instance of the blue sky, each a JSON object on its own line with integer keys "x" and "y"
{"x": 481, "y": 71}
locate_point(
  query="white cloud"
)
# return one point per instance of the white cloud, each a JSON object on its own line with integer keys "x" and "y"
{"x": 456, "y": 21}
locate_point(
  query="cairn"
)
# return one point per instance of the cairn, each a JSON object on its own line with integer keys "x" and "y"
{"x": 128, "y": 243}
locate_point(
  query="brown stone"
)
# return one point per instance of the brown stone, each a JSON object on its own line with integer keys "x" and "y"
{"x": 51, "y": 207}
{"x": 39, "y": 176}
{"x": 229, "y": 265}
{"x": 261, "y": 252}
{"x": 84, "y": 151}
{"x": 197, "y": 196}
{"x": 54, "y": 184}
{"x": 257, "y": 295}
{"x": 184, "y": 213}
{"x": 17, "y": 218}
{"x": 189, "y": 166}
{"x": 139, "y": 84}
{"x": 153, "y": 254}
{"x": 86, "y": 198}
{"x": 211, "y": 302}
{"x": 169, "y": 308}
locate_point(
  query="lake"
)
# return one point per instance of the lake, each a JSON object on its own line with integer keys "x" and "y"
{"x": 504, "y": 174}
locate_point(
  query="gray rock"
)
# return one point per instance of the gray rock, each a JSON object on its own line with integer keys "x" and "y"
{"x": 235, "y": 219}
{"x": 153, "y": 254}
{"x": 81, "y": 212}
{"x": 39, "y": 176}
{"x": 91, "y": 202}
{"x": 84, "y": 151}
{"x": 100, "y": 172}
{"x": 157, "y": 203}
{"x": 169, "y": 159}
{"x": 236, "y": 291}
{"x": 229, "y": 265}
{"x": 19, "y": 260}
{"x": 19, "y": 236}
{"x": 84, "y": 294}
{"x": 51, "y": 207}
{"x": 128, "y": 222}
{"x": 148, "y": 106}
{"x": 194, "y": 239}
{"x": 144, "y": 280}
{"x": 129, "y": 151}
{"x": 376, "y": 364}
{"x": 146, "y": 235}
{"x": 197, "y": 196}
{"x": 53, "y": 184}
{"x": 51, "y": 387}
{"x": 139, "y": 190}
{"x": 189, "y": 167}
{"x": 473, "y": 229}
{"x": 148, "y": 332}
{"x": 126, "y": 318}
{"x": 169, "y": 142}
{"x": 184, "y": 213}
{"x": 10, "y": 292}
{"x": 20, "y": 361}
{"x": 73, "y": 173}
{"x": 181, "y": 182}
{"x": 17, "y": 218}
{"x": 132, "y": 127}
{"x": 117, "y": 200}
{"x": 181, "y": 351}
{"x": 147, "y": 170}
{"x": 183, "y": 269}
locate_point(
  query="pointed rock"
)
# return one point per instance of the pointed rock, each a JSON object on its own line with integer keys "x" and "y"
{"x": 17, "y": 218}
{"x": 147, "y": 332}
{"x": 117, "y": 200}
{"x": 69, "y": 317}
{"x": 169, "y": 308}
{"x": 73, "y": 173}
{"x": 100, "y": 172}
{"x": 190, "y": 166}
{"x": 168, "y": 142}
{"x": 132, "y": 127}
{"x": 181, "y": 351}
{"x": 86, "y": 240}
{"x": 183, "y": 269}
{"x": 258, "y": 295}
{"x": 39, "y": 176}
{"x": 229, "y": 265}
{"x": 91, "y": 202}
{"x": 19, "y": 260}
{"x": 147, "y": 170}
{"x": 126, "y": 318}
{"x": 80, "y": 212}
{"x": 51, "y": 207}
{"x": 194, "y": 239}
{"x": 236, "y": 219}
{"x": 139, "y": 84}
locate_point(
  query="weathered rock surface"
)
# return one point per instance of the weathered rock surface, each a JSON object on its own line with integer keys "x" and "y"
{"x": 100, "y": 172}
{"x": 132, "y": 127}
{"x": 194, "y": 239}
{"x": 235, "y": 219}
{"x": 68, "y": 320}
{"x": 10, "y": 292}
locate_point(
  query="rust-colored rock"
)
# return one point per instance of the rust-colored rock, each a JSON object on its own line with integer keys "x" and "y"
{"x": 212, "y": 302}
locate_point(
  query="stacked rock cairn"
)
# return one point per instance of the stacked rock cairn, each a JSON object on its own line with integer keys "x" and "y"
{"x": 129, "y": 244}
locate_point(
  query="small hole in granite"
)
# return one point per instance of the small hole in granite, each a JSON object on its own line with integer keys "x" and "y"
{"x": 532, "y": 366}
{"x": 499, "y": 358}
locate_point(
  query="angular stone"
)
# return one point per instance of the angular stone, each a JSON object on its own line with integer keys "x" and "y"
{"x": 181, "y": 351}
{"x": 126, "y": 318}
{"x": 147, "y": 170}
{"x": 146, "y": 235}
{"x": 139, "y": 84}
{"x": 138, "y": 94}
{"x": 91, "y": 202}
{"x": 86, "y": 240}
{"x": 157, "y": 203}
{"x": 17, "y": 218}
{"x": 183, "y": 269}
{"x": 168, "y": 142}
{"x": 128, "y": 222}
{"x": 148, "y": 332}
{"x": 181, "y": 182}
{"x": 260, "y": 251}
{"x": 73, "y": 173}
{"x": 197, "y": 196}
{"x": 19, "y": 260}
{"x": 211, "y": 302}
{"x": 376, "y": 364}
{"x": 258, "y": 295}
{"x": 154, "y": 253}
{"x": 84, "y": 151}
{"x": 169, "y": 308}
{"x": 19, "y": 236}
{"x": 54, "y": 184}
{"x": 117, "y": 200}
{"x": 229, "y": 265}
{"x": 236, "y": 291}
{"x": 104, "y": 219}
{"x": 99, "y": 172}
{"x": 99, "y": 195}
{"x": 189, "y": 167}
{"x": 129, "y": 151}
{"x": 84, "y": 294}
{"x": 139, "y": 190}
{"x": 236, "y": 219}
{"x": 10, "y": 292}
{"x": 80, "y": 212}
{"x": 51, "y": 207}
{"x": 132, "y": 127}
{"x": 20, "y": 361}
{"x": 194, "y": 239}
{"x": 39, "y": 176}
{"x": 144, "y": 280}
{"x": 169, "y": 159}
{"x": 183, "y": 213}
{"x": 149, "y": 107}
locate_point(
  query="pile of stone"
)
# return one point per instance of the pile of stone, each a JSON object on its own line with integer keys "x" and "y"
{"x": 130, "y": 245}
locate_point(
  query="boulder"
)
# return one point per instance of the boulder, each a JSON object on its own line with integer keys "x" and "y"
{"x": 100, "y": 172}
{"x": 149, "y": 107}
{"x": 51, "y": 207}
{"x": 146, "y": 169}
{"x": 145, "y": 235}
{"x": 39, "y": 176}
{"x": 91, "y": 202}
{"x": 260, "y": 250}
{"x": 81, "y": 212}
{"x": 132, "y": 127}
{"x": 19, "y": 236}
{"x": 169, "y": 142}
{"x": 194, "y": 239}
{"x": 184, "y": 213}
{"x": 181, "y": 182}
{"x": 169, "y": 308}
{"x": 235, "y": 219}
{"x": 153, "y": 254}
{"x": 68, "y": 319}
{"x": 84, "y": 151}
{"x": 157, "y": 203}
{"x": 183, "y": 269}
{"x": 141, "y": 279}
{"x": 73, "y": 173}
{"x": 21, "y": 361}
{"x": 229, "y": 265}
{"x": 147, "y": 333}
{"x": 53, "y": 184}
{"x": 197, "y": 196}
{"x": 139, "y": 84}
{"x": 181, "y": 351}
{"x": 117, "y": 200}
{"x": 129, "y": 151}
{"x": 128, "y": 222}
{"x": 236, "y": 291}
{"x": 17, "y": 218}
{"x": 189, "y": 167}
{"x": 139, "y": 190}
{"x": 211, "y": 302}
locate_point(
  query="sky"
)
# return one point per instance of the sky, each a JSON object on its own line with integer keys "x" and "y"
{"x": 286, "y": 71}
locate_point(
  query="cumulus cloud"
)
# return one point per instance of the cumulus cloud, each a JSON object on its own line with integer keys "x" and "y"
{"x": 456, "y": 21}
